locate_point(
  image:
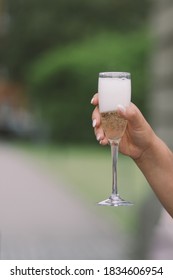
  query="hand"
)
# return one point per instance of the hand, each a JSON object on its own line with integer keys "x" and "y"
{"x": 138, "y": 135}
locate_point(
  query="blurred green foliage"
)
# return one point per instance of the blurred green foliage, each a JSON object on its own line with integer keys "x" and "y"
{"x": 35, "y": 26}
{"x": 56, "y": 48}
{"x": 63, "y": 81}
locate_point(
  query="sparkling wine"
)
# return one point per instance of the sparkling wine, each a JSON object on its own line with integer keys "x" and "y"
{"x": 113, "y": 90}
{"x": 113, "y": 125}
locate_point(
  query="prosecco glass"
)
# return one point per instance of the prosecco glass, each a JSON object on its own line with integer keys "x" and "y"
{"x": 114, "y": 89}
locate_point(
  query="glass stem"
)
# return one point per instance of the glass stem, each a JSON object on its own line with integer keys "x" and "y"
{"x": 114, "y": 152}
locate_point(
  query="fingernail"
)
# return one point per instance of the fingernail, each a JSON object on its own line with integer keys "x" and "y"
{"x": 94, "y": 123}
{"x": 92, "y": 100}
{"x": 98, "y": 137}
{"x": 121, "y": 108}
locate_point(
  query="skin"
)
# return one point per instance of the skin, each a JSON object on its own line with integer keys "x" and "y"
{"x": 149, "y": 152}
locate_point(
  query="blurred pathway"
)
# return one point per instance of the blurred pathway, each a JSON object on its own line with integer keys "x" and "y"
{"x": 43, "y": 219}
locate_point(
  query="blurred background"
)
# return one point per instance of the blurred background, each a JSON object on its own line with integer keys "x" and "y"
{"x": 53, "y": 171}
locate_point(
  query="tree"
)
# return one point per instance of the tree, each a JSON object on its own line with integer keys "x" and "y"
{"x": 63, "y": 81}
{"x": 159, "y": 103}
{"x": 162, "y": 70}
{"x": 36, "y": 26}
{"x": 44, "y": 33}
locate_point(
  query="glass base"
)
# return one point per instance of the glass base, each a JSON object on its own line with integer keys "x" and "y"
{"x": 115, "y": 200}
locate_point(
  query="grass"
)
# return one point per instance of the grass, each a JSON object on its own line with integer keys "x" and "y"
{"x": 87, "y": 170}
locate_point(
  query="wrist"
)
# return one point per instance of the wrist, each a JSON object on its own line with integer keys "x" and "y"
{"x": 149, "y": 151}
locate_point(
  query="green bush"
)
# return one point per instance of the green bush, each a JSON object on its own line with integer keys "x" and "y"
{"x": 63, "y": 81}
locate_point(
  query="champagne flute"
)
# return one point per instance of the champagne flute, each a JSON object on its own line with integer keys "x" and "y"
{"x": 114, "y": 89}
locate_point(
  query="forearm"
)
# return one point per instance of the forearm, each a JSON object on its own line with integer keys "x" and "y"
{"x": 156, "y": 163}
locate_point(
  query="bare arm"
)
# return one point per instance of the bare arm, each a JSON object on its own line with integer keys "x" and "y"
{"x": 156, "y": 163}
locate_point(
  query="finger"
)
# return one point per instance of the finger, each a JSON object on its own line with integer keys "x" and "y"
{"x": 100, "y": 136}
{"x": 96, "y": 117}
{"x": 95, "y": 100}
{"x": 104, "y": 141}
{"x": 99, "y": 133}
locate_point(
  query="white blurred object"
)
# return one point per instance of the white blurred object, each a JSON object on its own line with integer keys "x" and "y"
{"x": 161, "y": 247}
